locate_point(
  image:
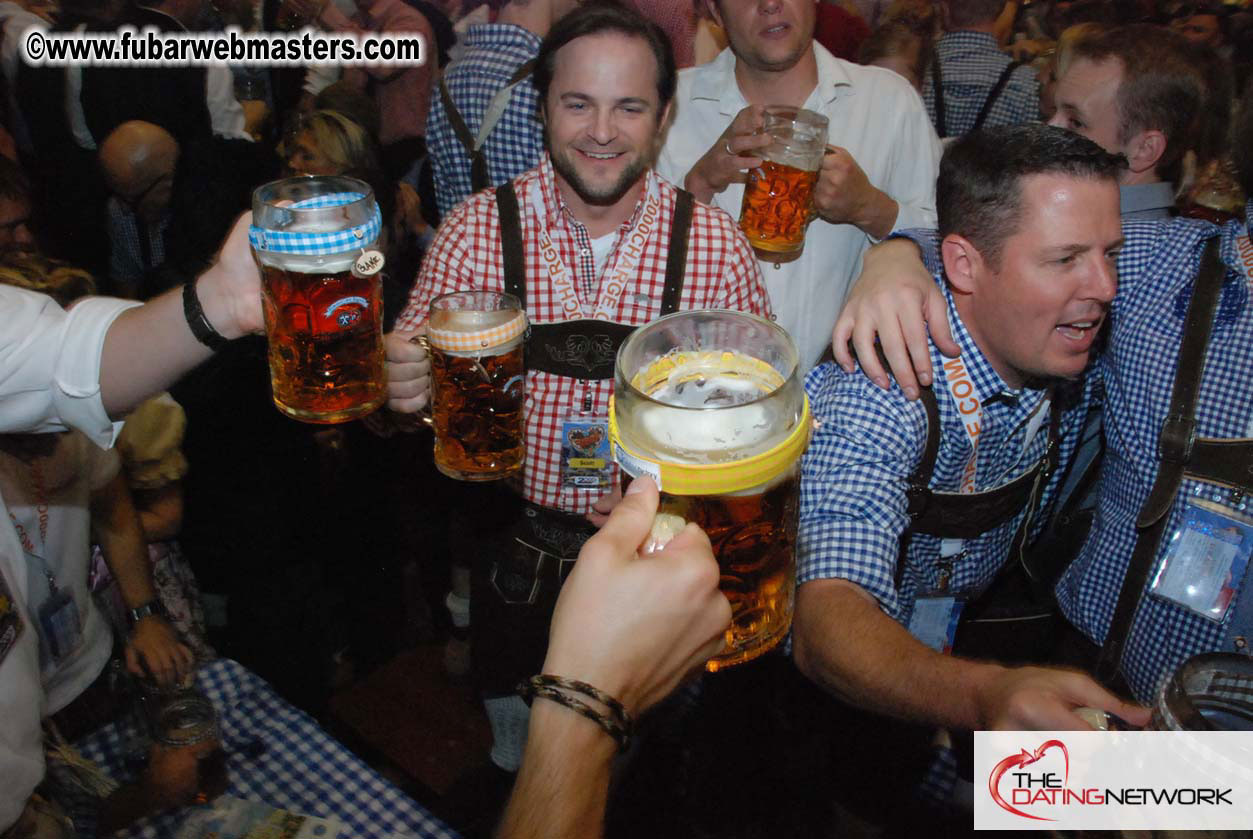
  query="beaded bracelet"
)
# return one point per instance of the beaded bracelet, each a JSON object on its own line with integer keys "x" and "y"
{"x": 617, "y": 723}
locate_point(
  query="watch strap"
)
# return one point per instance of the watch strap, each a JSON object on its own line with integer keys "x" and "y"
{"x": 196, "y": 320}
{"x": 146, "y": 610}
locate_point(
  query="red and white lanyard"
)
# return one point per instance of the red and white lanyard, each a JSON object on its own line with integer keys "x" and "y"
{"x": 1244, "y": 250}
{"x": 41, "y": 511}
{"x": 616, "y": 277}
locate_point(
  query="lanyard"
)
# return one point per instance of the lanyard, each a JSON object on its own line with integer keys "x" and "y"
{"x": 41, "y": 511}
{"x": 1244, "y": 249}
{"x": 617, "y": 276}
{"x": 961, "y": 390}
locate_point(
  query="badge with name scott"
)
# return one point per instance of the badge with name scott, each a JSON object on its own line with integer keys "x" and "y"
{"x": 1205, "y": 559}
{"x": 585, "y": 459}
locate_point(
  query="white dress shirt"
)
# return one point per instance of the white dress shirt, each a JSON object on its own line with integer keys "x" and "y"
{"x": 877, "y": 117}
{"x": 49, "y": 380}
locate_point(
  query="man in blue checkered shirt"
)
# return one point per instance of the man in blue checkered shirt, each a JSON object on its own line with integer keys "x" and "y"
{"x": 1157, "y": 270}
{"x": 971, "y": 66}
{"x": 1030, "y": 222}
{"x": 493, "y": 52}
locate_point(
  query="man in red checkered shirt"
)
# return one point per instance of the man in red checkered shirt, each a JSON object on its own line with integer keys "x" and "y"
{"x": 597, "y": 230}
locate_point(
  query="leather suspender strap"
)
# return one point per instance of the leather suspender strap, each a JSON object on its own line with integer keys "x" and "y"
{"x": 511, "y": 241}
{"x": 994, "y": 94}
{"x": 479, "y": 178}
{"x": 937, "y": 91}
{"x": 676, "y": 256}
{"x": 1174, "y": 450}
{"x": 917, "y": 492}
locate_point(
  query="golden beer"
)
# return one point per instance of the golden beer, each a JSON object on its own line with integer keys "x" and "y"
{"x": 778, "y": 201}
{"x": 778, "y": 196}
{"x": 325, "y": 343}
{"x": 477, "y": 411}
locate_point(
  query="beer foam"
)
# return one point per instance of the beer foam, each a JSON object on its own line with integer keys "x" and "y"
{"x": 310, "y": 264}
{"x": 709, "y": 404}
{"x": 469, "y": 321}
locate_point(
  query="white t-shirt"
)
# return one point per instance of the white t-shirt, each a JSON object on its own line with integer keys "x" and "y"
{"x": 877, "y": 117}
{"x": 49, "y": 380}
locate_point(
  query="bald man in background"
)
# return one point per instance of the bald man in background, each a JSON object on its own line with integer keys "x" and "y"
{"x": 138, "y": 160}
{"x": 171, "y": 202}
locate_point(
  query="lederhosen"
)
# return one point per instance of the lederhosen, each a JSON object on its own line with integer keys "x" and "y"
{"x": 937, "y": 91}
{"x": 1182, "y": 454}
{"x": 515, "y": 584}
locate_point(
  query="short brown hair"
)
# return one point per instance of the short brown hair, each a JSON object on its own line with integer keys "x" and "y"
{"x": 1161, "y": 88}
{"x": 963, "y": 13}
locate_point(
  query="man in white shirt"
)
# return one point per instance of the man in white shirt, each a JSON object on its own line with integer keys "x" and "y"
{"x": 878, "y": 175}
{"x": 60, "y": 370}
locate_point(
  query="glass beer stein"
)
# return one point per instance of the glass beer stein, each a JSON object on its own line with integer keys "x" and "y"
{"x": 478, "y": 382}
{"x": 778, "y": 197}
{"x": 710, "y": 404}
{"x": 321, "y": 290}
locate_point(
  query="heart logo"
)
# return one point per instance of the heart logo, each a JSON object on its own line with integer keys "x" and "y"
{"x": 1024, "y": 758}
{"x": 586, "y": 440}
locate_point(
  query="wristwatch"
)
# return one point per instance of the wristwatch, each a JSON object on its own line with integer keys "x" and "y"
{"x": 152, "y": 607}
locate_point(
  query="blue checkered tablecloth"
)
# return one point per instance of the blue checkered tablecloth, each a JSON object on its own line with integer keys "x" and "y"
{"x": 301, "y": 768}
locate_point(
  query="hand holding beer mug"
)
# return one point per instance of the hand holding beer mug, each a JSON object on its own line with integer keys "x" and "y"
{"x": 778, "y": 198}
{"x": 477, "y": 384}
{"x": 321, "y": 291}
{"x": 710, "y": 405}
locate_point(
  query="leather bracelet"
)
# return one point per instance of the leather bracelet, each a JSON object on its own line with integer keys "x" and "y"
{"x": 197, "y": 322}
{"x": 617, "y": 723}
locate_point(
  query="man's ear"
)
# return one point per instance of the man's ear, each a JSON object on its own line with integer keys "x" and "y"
{"x": 963, "y": 263}
{"x": 712, "y": 7}
{"x": 1144, "y": 150}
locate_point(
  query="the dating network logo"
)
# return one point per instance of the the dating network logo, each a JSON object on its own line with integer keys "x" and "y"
{"x": 1030, "y": 787}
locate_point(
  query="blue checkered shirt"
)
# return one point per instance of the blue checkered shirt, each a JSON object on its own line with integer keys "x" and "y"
{"x": 868, "y": 443}
{"x": 493, "y": 53}
{"x": 1156, "y": 271}
{"x": 970, "y": 64}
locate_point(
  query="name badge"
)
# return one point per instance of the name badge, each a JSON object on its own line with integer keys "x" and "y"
{"x": 1205, "y": 560}
{"x": 934, "y": 621}
{"x": 585, "y": 459}
{"x": 59, "y": 625}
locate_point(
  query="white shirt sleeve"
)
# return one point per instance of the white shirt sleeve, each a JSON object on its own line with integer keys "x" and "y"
{"x": 318, "y": 77}
{"x": 50, "y": 364}
{"x": 225, "y": 112}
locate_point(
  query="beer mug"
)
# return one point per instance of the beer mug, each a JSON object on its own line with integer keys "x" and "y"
{"x": 778, "y": 197}
{"x": 321, "y": 290}
{"x": 1208, "y": 692}
{"x": 478, "y": 382}
{"x": 710, "y": 404}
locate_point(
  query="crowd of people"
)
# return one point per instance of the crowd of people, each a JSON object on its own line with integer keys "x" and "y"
{"x": 1019, "y": 312}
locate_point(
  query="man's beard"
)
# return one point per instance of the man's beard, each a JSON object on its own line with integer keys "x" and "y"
{"x": 565, "y": 167}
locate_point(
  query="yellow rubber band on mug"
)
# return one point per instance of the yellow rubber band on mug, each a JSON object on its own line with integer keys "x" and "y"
{"x": 451, "y": 340}
{"x": 713, "y": 478}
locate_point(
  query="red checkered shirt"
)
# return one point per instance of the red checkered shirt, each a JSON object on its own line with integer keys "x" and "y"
{"x": 722, "y": 273}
